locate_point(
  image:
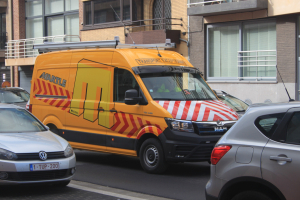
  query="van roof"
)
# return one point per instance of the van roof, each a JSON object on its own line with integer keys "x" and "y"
{"x": 138, "y": 57}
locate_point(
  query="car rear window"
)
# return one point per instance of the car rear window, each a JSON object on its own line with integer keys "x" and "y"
{"x": 267, "y": 124}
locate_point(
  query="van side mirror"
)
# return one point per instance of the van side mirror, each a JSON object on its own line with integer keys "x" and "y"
{"x": 132, "y": 97}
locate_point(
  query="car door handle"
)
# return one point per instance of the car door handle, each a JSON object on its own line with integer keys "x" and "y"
{"x": 280, "y": 158}
{"x": 113, "y": 111}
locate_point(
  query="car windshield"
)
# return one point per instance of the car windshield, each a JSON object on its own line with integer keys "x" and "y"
{"x": 177, "y": 87}
{"x": 13, "y": 120}
{"x": 14, "y": 96}
{"x": 234, "y": 103}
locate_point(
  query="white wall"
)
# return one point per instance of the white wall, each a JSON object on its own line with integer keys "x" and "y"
{"x": 257, "y": 93}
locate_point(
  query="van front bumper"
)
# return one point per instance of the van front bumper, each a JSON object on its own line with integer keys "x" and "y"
{"x": 187, "y": 147}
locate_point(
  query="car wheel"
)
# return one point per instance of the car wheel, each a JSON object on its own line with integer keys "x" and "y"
{"x": 61, "y": 183}
{"x": 152, "y": 157}
{"x": 250, "y": 195}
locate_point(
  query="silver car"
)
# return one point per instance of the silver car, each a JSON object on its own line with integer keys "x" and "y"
{"x": 29, "y": 152}
{"x": 259, "y": 157}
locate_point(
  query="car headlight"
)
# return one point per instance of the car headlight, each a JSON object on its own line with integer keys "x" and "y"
{"x": 69, "y": 151}
{"x": 7, "y": 155}
{"x": 180, "y": 125}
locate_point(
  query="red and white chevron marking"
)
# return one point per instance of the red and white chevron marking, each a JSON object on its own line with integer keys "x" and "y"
{"x": 199, "y": 110}
{"x": 46, "y": 88}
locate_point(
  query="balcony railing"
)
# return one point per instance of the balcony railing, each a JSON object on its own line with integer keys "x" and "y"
{"x": 259, "y": 64}
{"x": 24, "y": 48}
{"x": 211, "y": 2}
{"x": 153, "y": 24}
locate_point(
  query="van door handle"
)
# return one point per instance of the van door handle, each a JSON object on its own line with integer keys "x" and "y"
{"x": 100, "y": 109}
{"x": 113, "y": 111}
{"x": 277, "y": 158}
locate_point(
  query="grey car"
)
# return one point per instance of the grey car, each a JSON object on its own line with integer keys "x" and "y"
{"x": 29, "y": 152}
{"x": 14, "y": 95}
{"x": 259, "y": 157}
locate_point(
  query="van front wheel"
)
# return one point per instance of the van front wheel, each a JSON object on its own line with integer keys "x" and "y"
{"x": 152, "y": 157}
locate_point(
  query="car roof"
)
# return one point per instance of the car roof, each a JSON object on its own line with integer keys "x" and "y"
{"x": 11, "y": 88}
{"x": 5, "y": 105}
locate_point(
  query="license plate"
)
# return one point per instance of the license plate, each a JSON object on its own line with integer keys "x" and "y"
{"x": 44, "y": 166}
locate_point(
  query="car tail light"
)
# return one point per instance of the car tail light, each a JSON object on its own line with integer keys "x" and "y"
{"x": 218, "y": 152}
{"x": 29, "y": 107}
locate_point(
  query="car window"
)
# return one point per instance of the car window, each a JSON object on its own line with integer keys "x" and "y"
{"x": 293, "y": 129}
{"x": 13, "y": 96}
{"x": 267, "y": 124}
{"x": 13, "y": 120}
{"x": 123, "y": 81}
{"x": 234, "y": 103}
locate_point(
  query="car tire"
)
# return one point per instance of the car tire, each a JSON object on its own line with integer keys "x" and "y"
{"x": 61, "y": 183}
{"x": 251, "y": 195}
{"x": 152, "y": 157}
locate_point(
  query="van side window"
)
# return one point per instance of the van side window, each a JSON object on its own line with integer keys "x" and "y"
{"x": 123, "y": 81}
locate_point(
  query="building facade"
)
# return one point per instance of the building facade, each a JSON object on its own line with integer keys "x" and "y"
{"x": 134, "y": 21}
{"x": 239, "y": 43}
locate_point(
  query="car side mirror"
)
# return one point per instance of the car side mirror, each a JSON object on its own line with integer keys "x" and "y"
{"x": 47, "y": 128}
{"x": 132, "y": 97}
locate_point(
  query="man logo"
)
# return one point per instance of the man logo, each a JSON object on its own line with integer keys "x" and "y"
{"x": 43, "y": 155}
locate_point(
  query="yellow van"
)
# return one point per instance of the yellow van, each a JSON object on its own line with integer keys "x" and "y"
{"x": 135, "y": 102}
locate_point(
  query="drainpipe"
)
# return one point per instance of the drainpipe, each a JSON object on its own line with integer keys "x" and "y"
{"x": 11, "y": 36}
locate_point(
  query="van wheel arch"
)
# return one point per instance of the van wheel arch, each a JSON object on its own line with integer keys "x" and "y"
{"x": 241, "y": 184}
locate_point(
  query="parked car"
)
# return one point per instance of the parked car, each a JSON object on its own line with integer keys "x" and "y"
{"x": 29, "y": 152}
{"x": 233, "y": 102}
{"x": 14, "y": 95}
{"x": 258, "y": 158}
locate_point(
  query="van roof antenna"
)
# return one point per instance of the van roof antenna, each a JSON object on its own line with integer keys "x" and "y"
{"x": 290, "y": 99}
{"x": 122, "y": 23}
{"x": 158, "y": 52}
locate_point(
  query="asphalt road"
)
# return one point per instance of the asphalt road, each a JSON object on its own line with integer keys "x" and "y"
{"x": 181, "y": 181}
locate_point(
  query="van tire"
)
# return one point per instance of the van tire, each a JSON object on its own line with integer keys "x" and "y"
{"x": 250, "y": 195}
{"x": 53, "y": 129}
{"x": 152, "y": 157}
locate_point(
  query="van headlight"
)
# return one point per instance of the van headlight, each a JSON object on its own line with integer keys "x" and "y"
{"x": 180, "y": 125}
{"x": 7, "y": 155}
{"x": 69, "y": 151}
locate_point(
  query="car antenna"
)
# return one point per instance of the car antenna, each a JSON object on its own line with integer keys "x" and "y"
{"x": 122, "y": 23}
{"x": 158, "y": 52}
{"x": 290, "y": 99}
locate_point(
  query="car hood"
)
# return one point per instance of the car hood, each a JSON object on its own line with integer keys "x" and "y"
{"x": 199, "y": 110}
{"x": 32, "y": 142}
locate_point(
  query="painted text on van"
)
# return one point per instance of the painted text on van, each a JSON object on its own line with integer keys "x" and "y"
{"x": 53, "y": 79}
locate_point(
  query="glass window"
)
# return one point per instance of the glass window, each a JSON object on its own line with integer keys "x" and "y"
{"x": 177, "y": 86}
{"x": 123, "y": 81}
{"x": 55, "y": 25}
{"x": 242, "y": 51}
{"x": 223, "y": 47}
{"x": 267, "y": 124}
{"x": 234, "y": 103}
{"x": 88, "y": 13}
{"x": 14, "y": 120}
{"x": 34, "y": 8}
{"x": 72, "y": 25}
{"x": 54, "y": 6}
{"x": 126, "y": 9}
{"x": 34, "y": 28}
{"x": 108, "y": 11}
{"x": 71, "y": 6}
{"x": 293, "y": 129}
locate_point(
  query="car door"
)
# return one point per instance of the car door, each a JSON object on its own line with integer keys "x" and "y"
{"x": 280, "y": 160}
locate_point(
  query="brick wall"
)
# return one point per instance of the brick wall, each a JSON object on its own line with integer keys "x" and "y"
{"x": 19, "y": 25}
{"x": 197, "y": 43}
{"x": 286, "y": 48}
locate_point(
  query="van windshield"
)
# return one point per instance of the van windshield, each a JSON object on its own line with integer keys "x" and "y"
{"x": 177, "y": 87}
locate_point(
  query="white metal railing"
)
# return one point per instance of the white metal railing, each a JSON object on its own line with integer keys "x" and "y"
{"x": 24, "y": 48}
{"x": 259, "y": 61}
{"x": 211, "y": 2}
